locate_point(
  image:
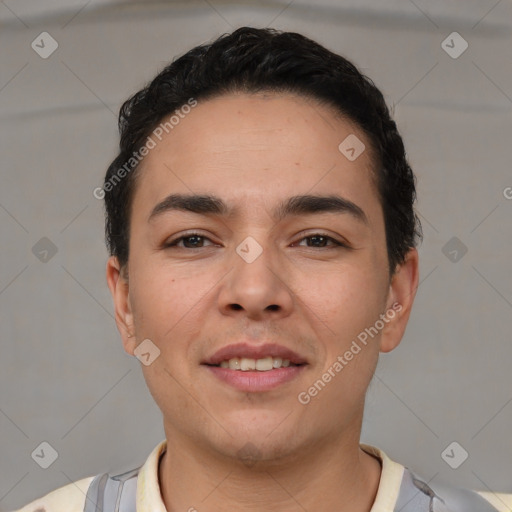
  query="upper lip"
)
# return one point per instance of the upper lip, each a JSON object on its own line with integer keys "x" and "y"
{"x": 254, "y": 352}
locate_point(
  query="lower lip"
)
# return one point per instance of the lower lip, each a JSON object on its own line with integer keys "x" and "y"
{"x": 256, "y": 381}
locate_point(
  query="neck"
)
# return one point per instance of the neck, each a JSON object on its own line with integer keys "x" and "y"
{"x": 339, "y": 477}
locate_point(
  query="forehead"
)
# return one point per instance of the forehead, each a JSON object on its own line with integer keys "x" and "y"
{"x": 254, "y": 149}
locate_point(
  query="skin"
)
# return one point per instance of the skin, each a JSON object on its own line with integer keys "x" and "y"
{"x": 253, "y": 152}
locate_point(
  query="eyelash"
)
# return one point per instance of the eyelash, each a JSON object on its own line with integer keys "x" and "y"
{"x": 174, "y": 243}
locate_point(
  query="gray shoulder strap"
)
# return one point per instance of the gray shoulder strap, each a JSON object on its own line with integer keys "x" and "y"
{"x": 417, "y": 496}
{"x": 112, "y": 493}
{"x": 463, "y": 500}
{"x": 118, "y": 494}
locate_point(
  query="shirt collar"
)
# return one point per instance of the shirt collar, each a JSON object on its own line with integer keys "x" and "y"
{"x": 149, "y": 496}
{"x": 390, "y": 481}
{"x": 148, "y": 488}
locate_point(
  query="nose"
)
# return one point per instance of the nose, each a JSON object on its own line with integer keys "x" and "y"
{"x": 256, "y": 288}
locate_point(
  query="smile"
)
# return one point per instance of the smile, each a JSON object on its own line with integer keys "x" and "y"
{"x": 263, "y": 364}
{"x": 255, "y": 368}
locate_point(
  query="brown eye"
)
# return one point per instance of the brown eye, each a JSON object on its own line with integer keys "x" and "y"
{"x": 192, "y": 241}
{"x": 321, "y": 241}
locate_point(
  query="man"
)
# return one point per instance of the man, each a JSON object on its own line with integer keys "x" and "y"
{"x": 260, "y": 222}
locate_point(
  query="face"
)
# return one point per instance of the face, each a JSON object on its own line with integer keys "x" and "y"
{"x": 281, "y": 264}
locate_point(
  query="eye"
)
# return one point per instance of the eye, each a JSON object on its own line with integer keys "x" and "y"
{"x": 190, "y": 241}
{"x": 198, "y": 241}
{"x": 321, "y": 241}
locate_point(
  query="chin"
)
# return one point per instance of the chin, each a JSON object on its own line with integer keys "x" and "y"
{"x": 259, "y": 423}
{"x": 264, "y": 439}
{"x": 261, "y": 453}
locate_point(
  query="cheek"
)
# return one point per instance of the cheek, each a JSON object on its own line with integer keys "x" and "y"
{"x": 345, "y": 299}
{"x": 168, "y": 305}
{"x": 158, "y": 294}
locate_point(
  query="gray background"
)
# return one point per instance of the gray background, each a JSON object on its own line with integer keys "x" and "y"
{"x": 64, "y": 377}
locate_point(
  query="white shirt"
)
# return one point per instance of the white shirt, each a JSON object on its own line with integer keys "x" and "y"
{"x": 394, "y": 487}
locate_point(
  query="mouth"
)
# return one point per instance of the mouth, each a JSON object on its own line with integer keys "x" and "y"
{"x": 264, "y": 364}
{"x": 252, "y": 368}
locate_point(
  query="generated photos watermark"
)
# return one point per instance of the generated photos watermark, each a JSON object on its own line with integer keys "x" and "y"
{"x": 151, "y": 142}
{"x": 337, "y": 366}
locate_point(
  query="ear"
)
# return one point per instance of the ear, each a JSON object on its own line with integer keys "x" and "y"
{"x": 117, "y": 280}
{"x": 402, "y": 290}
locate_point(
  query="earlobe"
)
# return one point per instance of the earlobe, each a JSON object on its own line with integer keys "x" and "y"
{"x": 402, "y": 291}
{"x": 118, "y": 284}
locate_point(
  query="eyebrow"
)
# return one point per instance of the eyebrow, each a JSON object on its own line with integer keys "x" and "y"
{"x": 296, "y": 205}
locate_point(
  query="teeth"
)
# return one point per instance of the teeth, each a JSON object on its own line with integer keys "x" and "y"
{"x": 263, "y": 365}
{"x": 234, "y": 364}
{"x": 247, "y": 364}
